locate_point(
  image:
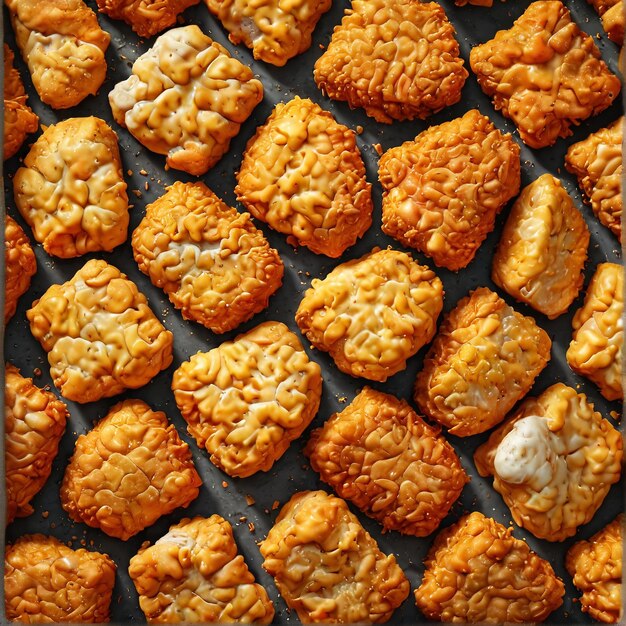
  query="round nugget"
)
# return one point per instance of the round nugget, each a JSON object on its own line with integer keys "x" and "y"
{"x": 20, "y": 265}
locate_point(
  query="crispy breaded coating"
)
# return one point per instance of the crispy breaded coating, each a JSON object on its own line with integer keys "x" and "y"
{"x": 128, "y": 471}
{"x": 382, "y": 456}
{"x": 248, "y": 399}
{"x": 20, "y": 265}
{"x": 476, "y": 571}
{"x": 372, "y": 314}
{"x": 543, "y": 248}
{"x": 598, "y": 340}
{"x": 186, "y": 98}
{"x": 612, "y": 14}
{"x": 485, "y": 357}
{"x": 443, "y": 190}
{"x": 193, "y": 574}
{"x": 553, "y": 462}
{"x": 211, "y": 260}
{"x": 71, "y": 189}
{"x": 327, "y": 567}
{"x": 596, "y": 567}
{"x": 100, "y": 334}
{"x": 63, "y": 46}
{"x": 303, "y": 174}
{"x": 544, "y": 73}
{"x": 398, "y": 59}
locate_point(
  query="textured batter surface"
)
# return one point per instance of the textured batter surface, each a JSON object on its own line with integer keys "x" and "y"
{"x": 20, "y": 265}
{"x": 612, "y": 15}
{"x": 327, "y": 567}
{"x": 443, "y": 190}
{"x": 303, "y": 174}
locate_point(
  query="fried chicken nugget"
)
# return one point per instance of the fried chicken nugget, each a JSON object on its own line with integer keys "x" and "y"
{"x": 193, "y": 574}
{"x": 186, "y": 98}
{"x": 303, "y": 174}
{"x": 20, "y": 265}
{"x": 45, "y": 581}
{"x": 398, "y": 59}
{"x": 443, "y": 190}
{"x": 553, "y": 462}
{"x": 544, "y": 73}
{"x": 100, "y": 334}
{"x": 476, "y": 571}
{"x": 328, "y": 567}
{"x": 612, "y": 14}
{"x": 485, "y": 357}
{"x": 379, "y": 454}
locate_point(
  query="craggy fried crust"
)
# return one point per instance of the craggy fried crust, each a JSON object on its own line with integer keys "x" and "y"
{"x": 326, "y": 565}
{"x": 612, "y": 14}
{"x": 544, "y": 73}
{"x": 476, "y": 571}
{"x": 379, "y": 454}
{"x": 597, "y": 343}
{"x": 193, "y": 574}
{"x": 248, "y": 399}
{"x": 45, "y": 581}
{"x": 20, "y": 265}
{"x": 128, "y": 471}
{"x": 443, "y": 190}
{"x": 398, "y": 59}
{"x": 211, "y": 260}
{"x": 186, "y": 98}
{"x": 553, "y": 462}
{"x": 71, "y": 190}
{"x": 100, "y": 334}
{"x": 303, "y": 174}
{"x": 485, "y": 357}
{"x": 542, "y": 249}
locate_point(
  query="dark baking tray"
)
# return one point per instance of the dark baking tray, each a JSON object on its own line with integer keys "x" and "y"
{"x": 221, "y": 493}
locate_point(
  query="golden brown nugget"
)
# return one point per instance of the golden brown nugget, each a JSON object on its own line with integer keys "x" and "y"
{"x": 303, "y": 174}
{"x": 186, "y": 98}
{"x": 71, "y": 190}
{"x": 485, "y": 357}
{"x": 598, "y": 340}
{"x": 476, "y": 571}
{"x": 327, "y": 567}
{"x": 372, "y": 314}
{"x": 20, "y": 265}
{"x": 544, "y": 73}
{"x": 379, "y": 454}
{"x": 248, "y": 399}
{"x": 398, "y": 59}
{"x": 443, "y": 190}
{"x": 211, "y": 260}
{"x": 596, "y": 567}
{"x": 45, "y": 581}
{"x": 193, "y": 574}
{"x": 553, "y": 462}
{"x": 128, "y": 471}
{"x": 63, "y": 46}
{"x": 612, "y": 14}
{"x": 542, "y": 249}
{"x": 100, "y": 334}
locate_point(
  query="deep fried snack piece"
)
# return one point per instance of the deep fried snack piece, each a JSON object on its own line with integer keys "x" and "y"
{"x": 128, "y": 471}
{"x": 543, "y": 248}
{"x": 485, "y": 357}
{"x": 328, "y": 567}
{"x": 248, "y": 399}
{"x": 379, "y": 454}
{"x": 612, "y": 14}
{"x": 63, "y": 46}
{"x": 100, "y": 334}
{"x": 20, "y": 265}
{"x": 303, "y": 174}
{"x": 398, "y": 59}
{"x": 544, "y": 73}
{"x": 71, "y": 190}
{"x": 372, "y": 314}
{"x": 443, "y": 190}
{"x": 476, "y": 571}
{"x": 186, "y": 98}
{"x": 193, "y": 574}
{"x": 597, "y": 343}
{"x": 211, "y": 260}
{"x": 553, "y": 462}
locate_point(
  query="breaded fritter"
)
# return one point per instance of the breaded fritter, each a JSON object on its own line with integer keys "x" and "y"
{"x": 20, "y": 265}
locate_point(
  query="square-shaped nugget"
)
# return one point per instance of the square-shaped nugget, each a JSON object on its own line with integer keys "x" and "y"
{"x": 544, "y": 73}
{"x": 612, "y": 14}
{"x": 20, "y": 265}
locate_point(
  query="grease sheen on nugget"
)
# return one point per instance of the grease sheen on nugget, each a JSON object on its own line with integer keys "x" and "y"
{"x": 20, "y": 265}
